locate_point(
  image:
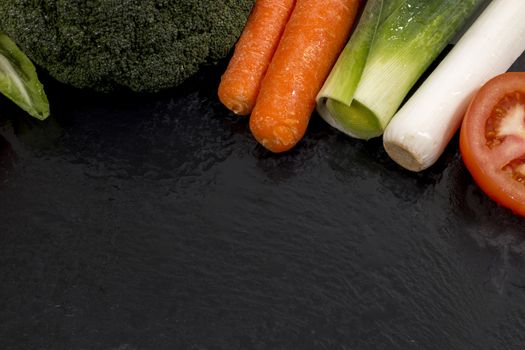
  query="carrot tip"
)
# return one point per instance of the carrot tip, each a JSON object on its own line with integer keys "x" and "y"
{"x": 281, "y": 139}
{"x": 237, "y": 105}
{"x": 284, "y": 135}
{"x": 239, "y": 108}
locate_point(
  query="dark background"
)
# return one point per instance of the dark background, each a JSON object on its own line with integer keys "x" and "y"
{"x": 156, "y": 222}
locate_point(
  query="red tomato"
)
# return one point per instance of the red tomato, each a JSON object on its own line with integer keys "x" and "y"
{"x": 492, "y": 140}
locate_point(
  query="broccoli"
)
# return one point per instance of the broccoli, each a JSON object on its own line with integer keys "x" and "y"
{"x": 144, "y": 45}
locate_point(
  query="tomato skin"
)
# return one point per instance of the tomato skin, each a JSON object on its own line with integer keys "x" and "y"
{"x": 478, "y": 157}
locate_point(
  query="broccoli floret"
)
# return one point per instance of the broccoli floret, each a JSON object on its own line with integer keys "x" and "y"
{"x": 145, "y": 45}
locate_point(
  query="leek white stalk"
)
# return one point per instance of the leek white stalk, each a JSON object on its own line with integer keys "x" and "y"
{"x": 422, "y": 128}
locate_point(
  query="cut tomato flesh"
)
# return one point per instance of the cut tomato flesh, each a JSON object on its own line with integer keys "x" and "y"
{"x": 511, "y": 148}
{"x": 516, "y": 169}
{"x": 492, "y": 140}
{"x": 505, "y": 133}
{"x": 507, "y": 118}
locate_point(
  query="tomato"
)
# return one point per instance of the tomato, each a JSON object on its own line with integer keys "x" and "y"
{"x": 492, "y": 140}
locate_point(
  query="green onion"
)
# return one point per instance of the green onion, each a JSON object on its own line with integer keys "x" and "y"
{"x": 392, "y": 46}
{"x": 19, "y": 81}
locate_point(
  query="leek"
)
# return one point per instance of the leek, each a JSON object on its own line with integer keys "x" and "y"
{"x": 19, "y": 81}
{"x": 392, "y": 46}
{"x": 420, "y": 131}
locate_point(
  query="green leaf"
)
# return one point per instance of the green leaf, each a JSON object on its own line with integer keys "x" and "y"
{"x": 19, "y": 81}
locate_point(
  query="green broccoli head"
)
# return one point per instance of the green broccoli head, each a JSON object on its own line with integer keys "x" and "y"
{"x": 145, "y": 45}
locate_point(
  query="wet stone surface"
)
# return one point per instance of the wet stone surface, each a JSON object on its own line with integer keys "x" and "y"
{"x": 156, "y": 222}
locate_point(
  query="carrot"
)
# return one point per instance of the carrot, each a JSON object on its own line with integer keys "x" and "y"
{"x": 241, "y": 82}
{"x": 314, "y": 37}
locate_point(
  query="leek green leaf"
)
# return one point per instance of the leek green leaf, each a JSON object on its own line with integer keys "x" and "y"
{"x": 390, "y": 49}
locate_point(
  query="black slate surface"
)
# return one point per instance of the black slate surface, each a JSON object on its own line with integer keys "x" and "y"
{"x": 156, "y": 222}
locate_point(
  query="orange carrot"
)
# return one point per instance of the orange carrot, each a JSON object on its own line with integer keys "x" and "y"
{"x": 313, "y": 39}
{"x": 241, "y": 82}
